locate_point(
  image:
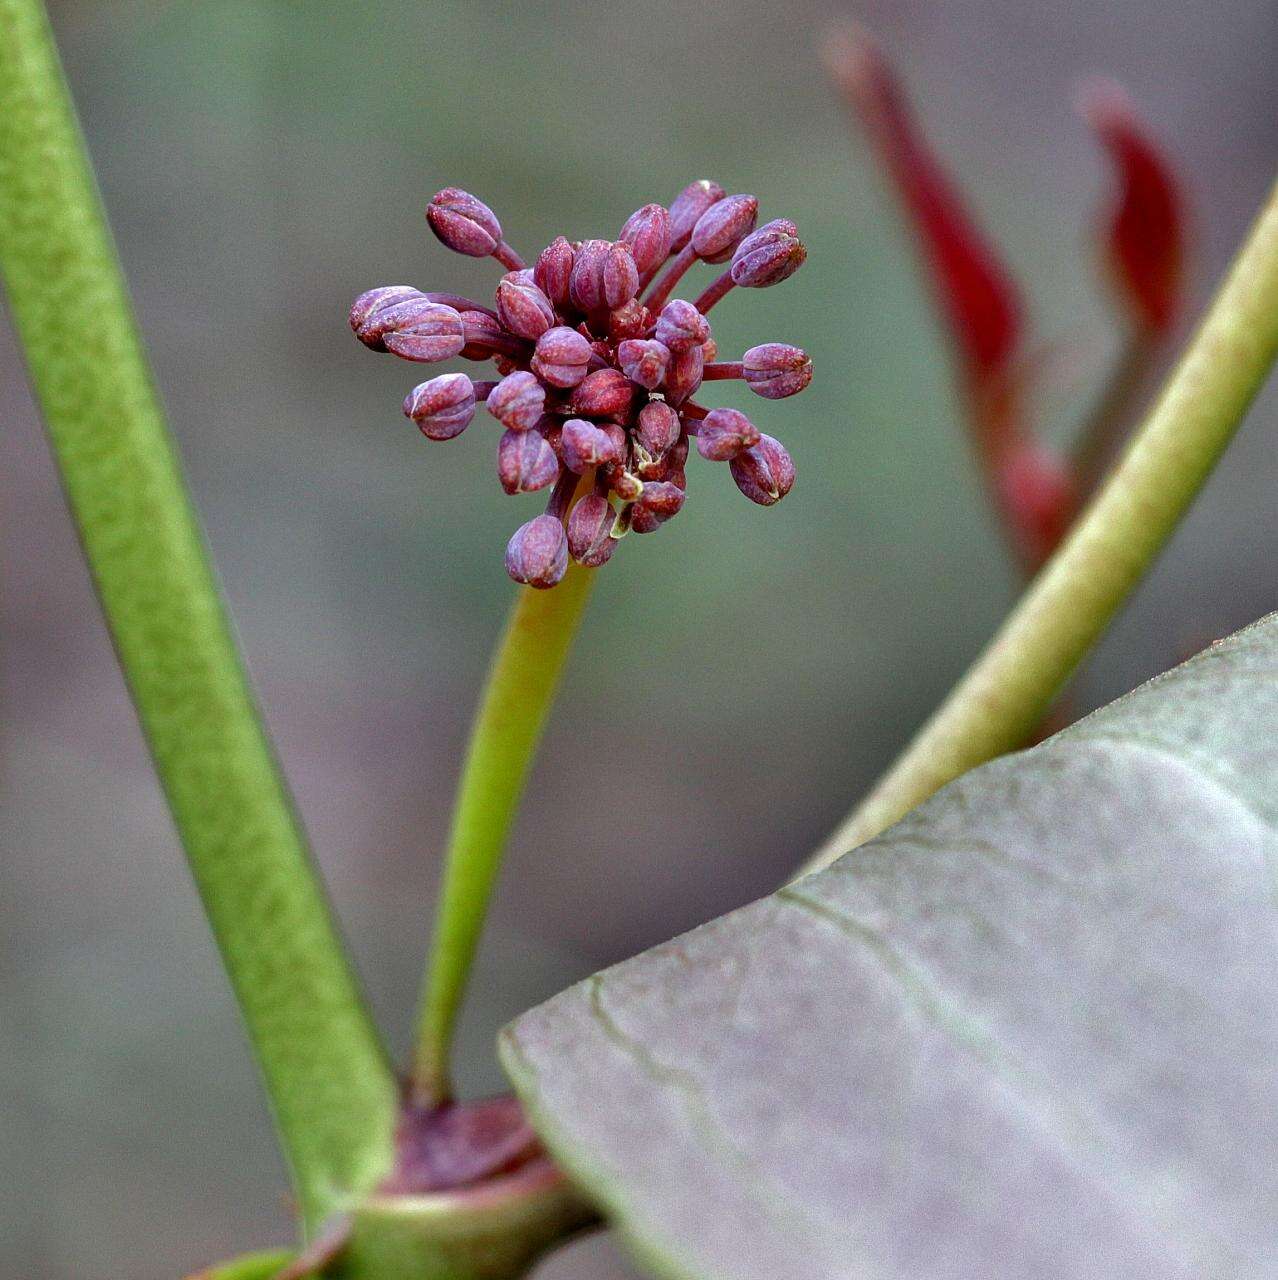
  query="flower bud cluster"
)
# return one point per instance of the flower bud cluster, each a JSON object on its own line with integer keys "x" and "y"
{"x": 598, "y": 365}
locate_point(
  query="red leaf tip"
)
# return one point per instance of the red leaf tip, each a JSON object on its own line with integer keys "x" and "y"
{"x": 1143, "y": 231}
{"x": 972, "y": 283}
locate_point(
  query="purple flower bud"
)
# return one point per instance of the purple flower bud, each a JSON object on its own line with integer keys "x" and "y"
{"x": 723, "y": 226}
{"x": 523, "y": 308}
{"x": 442, "y": 407}
{"x": 525, "y": 462}
{"x": 775, "y": 370}
{"x": 424, "y": 332}
{"x": 390, "y": 316}
{"x": 768, "y": 256}
{"x": 688, "y": 206}
{"x": 517, "y": 401}
{"x": 553, "y": 271}
{"x": 606, "y": 393}
{"x": 644, "y": 361}
{"x": 724, "y": 433}
{"x": 585, "y": 284}
{"x": 647, "y": 232}
{"x": 658, "y": 427}
{"x": 661, "y": 500}
{"x": 589, "y": 530}
{"x": 642, "y": 520}
{"x": 619, "y": 276}
{"x": 586, "y": 446}
{"x": 630, "y": 320}
{"x": 465, "y": 224}
{"x": 537, "y": 554}
{"x": 562, "y": 357}
{"x": 765, "y": 473}
{"x": 681, "y": 326}
{"x": 366, "y": 309}
{"x": 683, "y": 376}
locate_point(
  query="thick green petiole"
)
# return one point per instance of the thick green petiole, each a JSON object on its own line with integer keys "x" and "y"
{"x": 995, "y": 706}
{"x": 333, "y": 1095}
{"x": 516, "y": 701}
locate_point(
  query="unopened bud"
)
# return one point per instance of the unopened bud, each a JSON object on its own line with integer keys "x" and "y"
{"x": 389, "y": 316}
{"x": 553, "y": 270}
{"x": 368, "y": 307}
{"x": 585, "y": 284}
{"x": 647, "y": 232}
{"x": 525, "y": 462}
{"x": 683, "y": 376}
{"x": 644, "y": 361}
{"x": 775, "y": 370}
{"x": 658, "y": 427}
{"x": 562, "y": 357}
{"x": 442, "y": 407}
{"x": 517, "y": 401}
{"x": 765, "y": 473}
{"x": 662, "y": 499}
{"x": 630, "y": 320}
{"x": 618, "y": 276}
{"x": 589, "y": 527}
{"x": 724, "y": 433}
{"x": 586, "y": 446}
{"x": 424, "y": 332}
{"x": 641, "y": 520}
{"x": 537, "y": 554}
{"x": 465, "y": 224}
{"x": 606, "y": 393}
{"x": 681, "y": 326}
{"x": 688, "y": 206}
{"x": 723, "y": 226}
{"x": 768, "y": 256}
{"x": 523, "y": 308}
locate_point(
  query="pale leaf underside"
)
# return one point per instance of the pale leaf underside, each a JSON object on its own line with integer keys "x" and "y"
{"x": 1029, "y": 1032}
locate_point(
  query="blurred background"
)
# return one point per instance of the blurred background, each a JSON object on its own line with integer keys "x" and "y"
{"x": 741, "y": 676}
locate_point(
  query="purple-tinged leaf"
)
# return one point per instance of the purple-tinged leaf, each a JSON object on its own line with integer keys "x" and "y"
{"x": 1029, "y": 1032}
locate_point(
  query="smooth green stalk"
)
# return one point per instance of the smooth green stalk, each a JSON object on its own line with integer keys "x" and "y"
{"x": 333, "y": 1095}
{"x": 516, "y": 701}
{"x": 996, "y": 705}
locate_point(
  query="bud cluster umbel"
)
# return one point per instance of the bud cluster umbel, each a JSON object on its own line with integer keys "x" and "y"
{"x": 598, "y": 365}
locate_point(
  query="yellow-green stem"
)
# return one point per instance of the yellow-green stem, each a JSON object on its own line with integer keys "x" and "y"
{"x": 516, "y": 701}
{"x": 996, "y": 705}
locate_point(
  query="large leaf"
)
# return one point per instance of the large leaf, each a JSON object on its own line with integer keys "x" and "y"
{"x": 1031, "y": 1031}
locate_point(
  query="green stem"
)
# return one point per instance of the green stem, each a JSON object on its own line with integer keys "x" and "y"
{"x": 508, "y": 725}
{"x": 333, "y": 1095}
{"x": 996, "y": 705}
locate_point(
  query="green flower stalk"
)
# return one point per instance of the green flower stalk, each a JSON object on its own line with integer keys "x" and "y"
{"x": 331, "y": 1091}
